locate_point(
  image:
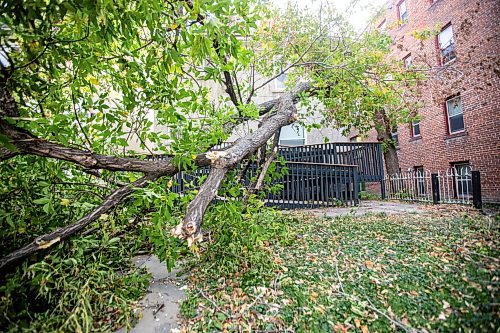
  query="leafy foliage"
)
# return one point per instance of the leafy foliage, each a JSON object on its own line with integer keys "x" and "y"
{"x": 83, "y": 286}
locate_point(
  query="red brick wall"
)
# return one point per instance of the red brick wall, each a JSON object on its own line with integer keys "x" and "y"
{"x": 475, "y": 75}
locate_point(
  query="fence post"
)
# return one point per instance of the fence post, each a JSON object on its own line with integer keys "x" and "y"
{"x": 356, "y": 186}
{"x": 477, "y": 201}
{"x": 381, "y": 173}
{"x": 435, "y": 188}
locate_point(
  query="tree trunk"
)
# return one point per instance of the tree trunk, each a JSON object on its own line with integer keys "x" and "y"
{"x": 222, "y": 162}
{"x": 384, "y": 135}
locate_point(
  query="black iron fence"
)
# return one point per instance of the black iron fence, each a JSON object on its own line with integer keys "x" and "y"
{"x": 366, "y": 156}
{"x": 315, "y": 185}
{"x": 462, "y": 186}
{"x": 320, "y": 175}
{"x": 302, "y": 185}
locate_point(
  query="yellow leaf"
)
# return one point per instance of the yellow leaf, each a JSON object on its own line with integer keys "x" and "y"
{"x": 320, "y": 308}
{"x": 174, "y": 26}
{"x": 65, "y": 202}
{"x": 93, "y": 80}
{"x": 364, "y": 329}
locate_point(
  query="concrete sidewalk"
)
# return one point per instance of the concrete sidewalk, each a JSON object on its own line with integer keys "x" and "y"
{"x": 367, "y": 207}
{"x": 160, "y": 306}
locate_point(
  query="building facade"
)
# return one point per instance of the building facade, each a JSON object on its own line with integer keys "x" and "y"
{"x": 459, "y": 123}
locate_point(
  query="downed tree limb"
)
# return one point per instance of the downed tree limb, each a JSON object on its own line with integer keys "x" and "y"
{"x": 27, "y": 143}
{"x": 222, "y": 162}
{"x": 46, "y": 241}
{"x": 5, "y": 154}
{"x": 270, "y": 158}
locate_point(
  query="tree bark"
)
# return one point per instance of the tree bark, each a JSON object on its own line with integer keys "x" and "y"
{"x": 222, "y": 162}
{"x": 384, "y": 135}
{"x": 254, "y": 188}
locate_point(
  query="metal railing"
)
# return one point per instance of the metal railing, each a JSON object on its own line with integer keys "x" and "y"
{"x": 302, "y": 185}
{"x": 320, "y": 175}
{"x": 315, "y": 185}
{"x": 461, "y": 186}
{"x": 366, "y": 156}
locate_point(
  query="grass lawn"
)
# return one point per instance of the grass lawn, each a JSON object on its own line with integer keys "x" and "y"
{"x": 436, "y": 271}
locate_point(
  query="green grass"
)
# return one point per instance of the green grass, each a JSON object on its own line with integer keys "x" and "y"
{"x": 436, "y": 271}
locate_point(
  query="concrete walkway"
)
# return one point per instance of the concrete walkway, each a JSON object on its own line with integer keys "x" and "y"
{"x": 160, "y": 306}
{"x": 367, "y": 207}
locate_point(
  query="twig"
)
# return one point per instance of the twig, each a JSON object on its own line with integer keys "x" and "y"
{"x": 213, "y": 303}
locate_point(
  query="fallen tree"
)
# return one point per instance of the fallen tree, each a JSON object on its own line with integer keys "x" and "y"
{"x": 61, "y": 99}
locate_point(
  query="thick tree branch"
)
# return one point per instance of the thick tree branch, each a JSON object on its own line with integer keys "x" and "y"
{"x": 5, "y": 154}
{"x": 223, "y": 161}
{"x": 296, "y": 92}
{"x": 57, "y": 235}
{"x": 27, "y": 143}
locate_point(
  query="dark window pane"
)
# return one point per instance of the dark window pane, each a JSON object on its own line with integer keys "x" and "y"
{"x": 457, "y": 123}
{"x": 416, "y": 129}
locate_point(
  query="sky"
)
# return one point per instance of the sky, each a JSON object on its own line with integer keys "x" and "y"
{"x": 359, "y": 17}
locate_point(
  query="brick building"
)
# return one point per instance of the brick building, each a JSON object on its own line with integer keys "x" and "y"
{"x": 460, "y": 120}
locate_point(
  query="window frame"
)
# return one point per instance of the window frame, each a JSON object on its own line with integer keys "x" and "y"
{"x": 440, "y": 50}
{"x": 382, "y": 27}
{"x": 412, "y": 129}
{"x": 447, "y": 114}
{"x": 405, "y": 59}
{"x": 402, "y": 21}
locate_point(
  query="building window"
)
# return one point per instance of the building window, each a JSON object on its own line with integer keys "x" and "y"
{"x": 403, "y": 12}
{"x": 446, "y": 44}
{"x": 419, "y": 180}
{"x": 454, "y": 115}
{"x": 463, "y": 179}
{"x": 292, "y": 135}
{"x": 408, "y": 61}
{"x": 415, "y": 128}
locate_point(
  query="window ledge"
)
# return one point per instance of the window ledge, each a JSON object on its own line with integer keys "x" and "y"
{"x": 415, "y": 138}
{"x": 449, "y": 63}
{"x": 456, "y": 135}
